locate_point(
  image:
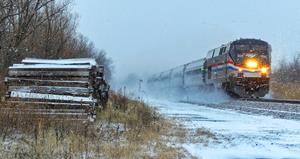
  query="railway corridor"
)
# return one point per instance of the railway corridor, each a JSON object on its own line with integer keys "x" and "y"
{"x": 239, "y": 135}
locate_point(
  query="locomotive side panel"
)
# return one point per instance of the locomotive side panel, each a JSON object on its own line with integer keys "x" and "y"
{"x": 176, "y": 78}
{"x": 164, "y": 80}
{"x": 217, "y": 66}
{"x": 194, "y": 74}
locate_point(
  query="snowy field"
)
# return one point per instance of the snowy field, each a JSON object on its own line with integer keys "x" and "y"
{"x": 241, "y": 136}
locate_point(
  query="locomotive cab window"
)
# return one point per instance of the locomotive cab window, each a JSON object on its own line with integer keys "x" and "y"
{"x": 210, "y": 54}
{"x": 222, "y": 51}
{"x": 241, "y": 52}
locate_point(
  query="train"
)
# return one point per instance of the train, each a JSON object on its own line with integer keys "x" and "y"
{"x": 241, "y": 67}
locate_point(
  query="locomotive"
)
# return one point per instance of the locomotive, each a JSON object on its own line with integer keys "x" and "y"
{"x": 241, "y": 67}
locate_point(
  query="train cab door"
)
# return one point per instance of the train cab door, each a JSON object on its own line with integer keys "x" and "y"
{"x": 204, "y": 72}
{"x": 209, "y": 73}
{"x": 208, "y": 65}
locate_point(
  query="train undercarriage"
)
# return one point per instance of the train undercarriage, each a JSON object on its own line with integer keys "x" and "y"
{"x": 247, "y": 87}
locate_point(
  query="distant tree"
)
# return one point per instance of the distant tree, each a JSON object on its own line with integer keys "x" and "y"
{"x": 288, "y": 71}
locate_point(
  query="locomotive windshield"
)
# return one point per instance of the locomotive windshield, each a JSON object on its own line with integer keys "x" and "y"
{"x": 241, "y": 51}
{"x": 261, "y": 49}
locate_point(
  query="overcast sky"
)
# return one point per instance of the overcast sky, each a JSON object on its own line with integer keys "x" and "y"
{"x": 149, "y": 36}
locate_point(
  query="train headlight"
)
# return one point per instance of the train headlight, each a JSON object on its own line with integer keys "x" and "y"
{"x": 251, "y": 64}
{"x": 264, "y": 70}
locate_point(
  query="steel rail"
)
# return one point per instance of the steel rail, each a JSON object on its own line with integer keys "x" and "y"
{"x": 271, "y": 100}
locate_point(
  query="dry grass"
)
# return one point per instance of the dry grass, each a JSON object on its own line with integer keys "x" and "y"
{"x": 204, "y": 136}
{"x": 286, "y": 90}
{"x": 143, "y": 128}
{"x": 204, "y": 133}
{"x": 25, "y": 136}
{"x": 126, "y": 129}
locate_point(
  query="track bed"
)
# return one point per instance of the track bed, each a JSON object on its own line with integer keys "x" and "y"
{"x": 284, "y": 109}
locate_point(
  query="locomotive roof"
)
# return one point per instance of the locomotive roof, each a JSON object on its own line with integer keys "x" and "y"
{"x": 249, "y": 41}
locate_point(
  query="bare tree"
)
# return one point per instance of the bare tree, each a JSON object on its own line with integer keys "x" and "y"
{"x": 288, "y": 71}
{"x": 43, "y": 29}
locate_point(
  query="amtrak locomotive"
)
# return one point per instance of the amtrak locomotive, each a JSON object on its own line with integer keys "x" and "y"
{"x": 242, "y": 68}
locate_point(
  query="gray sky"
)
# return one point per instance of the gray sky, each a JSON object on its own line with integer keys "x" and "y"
{"x": 149, "y": 36}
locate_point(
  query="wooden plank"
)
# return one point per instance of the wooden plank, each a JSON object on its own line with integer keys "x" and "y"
{"x": 76, "y": 61}
{"x": 74, "y": 91}
{"x": 34, "y": 100}
{"x": 49, "y": 105}
{"x": 31, "y": 110}
{"x": 14, "y": 73}
{"x": 50, "y": 68}
{"x": 50, "y": 78}
{"x": 37, "y": 82}
{"x": 38, "y": 97}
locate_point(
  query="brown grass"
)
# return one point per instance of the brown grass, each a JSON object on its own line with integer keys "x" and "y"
{"x": 25, "y": 136}
{"x": 286, "y": 90}
{"x": 144, "y": 129}
{"x": 204, "y": 133}
{"x": 126, "y": 129}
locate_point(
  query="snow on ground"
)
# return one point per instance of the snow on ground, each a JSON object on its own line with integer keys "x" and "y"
{"x": 241, "y": 135}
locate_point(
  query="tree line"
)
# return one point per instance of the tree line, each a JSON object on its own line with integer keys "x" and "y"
{"x": 288, "y": 72}
{"x": 43, "y": 29}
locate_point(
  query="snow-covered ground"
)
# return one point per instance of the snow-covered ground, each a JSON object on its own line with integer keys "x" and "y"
{"x": 241, "y": 135}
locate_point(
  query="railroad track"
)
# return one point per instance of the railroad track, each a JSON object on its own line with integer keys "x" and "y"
{"x": 271, "y": 100}
{"x": 286, "y": 109}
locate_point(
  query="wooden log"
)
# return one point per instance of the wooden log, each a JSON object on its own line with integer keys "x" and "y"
{"x": 51, "y": 98}
{"x": 45, "y": 100}
{"x": 49, "y": 105}
{"x": 77, "y": 61}
{"x": 31, "y": 110}
{"x": 18, "y": 73}
{"x": 36, "y": 82}
{"x": 49, "y": 78}
{"x": 76, "y": 68}
{"x": 73, "y": 91}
